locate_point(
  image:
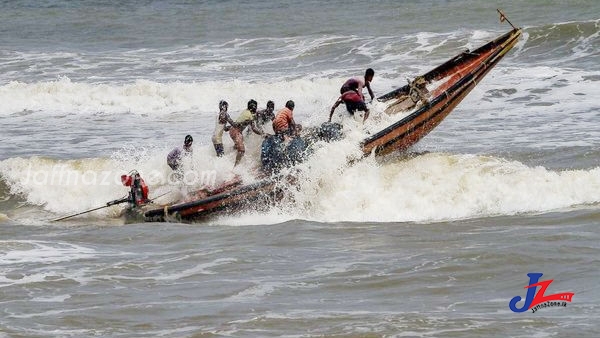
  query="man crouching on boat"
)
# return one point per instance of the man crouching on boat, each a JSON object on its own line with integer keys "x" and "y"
{"x": 360, "y": 83}
{"x": 353, "y": 100}
{"x": 283, "y": 123}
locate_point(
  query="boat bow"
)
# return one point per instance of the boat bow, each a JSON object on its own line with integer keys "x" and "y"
{"x": 457, "y": 77}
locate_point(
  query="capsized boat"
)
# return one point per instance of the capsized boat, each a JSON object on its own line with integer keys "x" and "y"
{"x": 455, "y": 79}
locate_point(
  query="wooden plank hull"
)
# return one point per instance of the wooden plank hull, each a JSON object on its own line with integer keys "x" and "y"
{"x": 459, "y": 75}
{"x": 238, "y": 197}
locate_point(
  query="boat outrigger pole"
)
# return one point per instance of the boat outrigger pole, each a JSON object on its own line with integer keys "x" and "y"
{"x": 108, "y": 204}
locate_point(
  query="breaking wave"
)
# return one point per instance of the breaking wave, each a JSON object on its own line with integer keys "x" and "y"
{"x": 420, "y": 188}
{"x": 429, "y": 187}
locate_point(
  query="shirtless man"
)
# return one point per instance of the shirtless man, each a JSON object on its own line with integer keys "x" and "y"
{"x": 362, "y": 82}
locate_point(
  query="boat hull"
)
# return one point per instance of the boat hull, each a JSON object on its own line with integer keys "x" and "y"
{"x": 252, "y": 196}
{"x": 460, "y": 75}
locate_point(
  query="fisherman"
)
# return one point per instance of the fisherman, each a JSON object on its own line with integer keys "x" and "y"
{"x": 361, "y": 83}
{"x": 265, "y": 115}
{"x": 175, "y": 157}
{"x": 283, "y": 123}
{"x": 246, "y": 118}
{"x": 353, "y": 101}
{"x": 138, "y": 194}
{"x": 221, "y": 125}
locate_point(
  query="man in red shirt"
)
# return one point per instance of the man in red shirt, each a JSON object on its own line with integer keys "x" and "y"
{"x": 283, "y": 123}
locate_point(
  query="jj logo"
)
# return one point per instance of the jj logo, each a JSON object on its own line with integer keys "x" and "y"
{"x": 534, "y": 300}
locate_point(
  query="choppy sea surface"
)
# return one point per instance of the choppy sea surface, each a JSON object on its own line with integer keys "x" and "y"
{"x": 430, "y": 243}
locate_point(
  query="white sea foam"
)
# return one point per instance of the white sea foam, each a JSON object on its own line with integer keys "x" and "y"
{"x": 74, "y": 185}
{"x": 199, "y": 269}
{"x": 426, "y": 188}
{"x": 155, "y": 98}
{"x": 440, "y": 187}
{"x": 51, "y": 299}
{"x": 24, "y": 252}
{"x": 429, "y": 187}
{"x": 258, "y": 290}
{"x": 18, "y": 253}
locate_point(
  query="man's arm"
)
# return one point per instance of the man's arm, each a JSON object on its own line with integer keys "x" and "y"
{"x": 255, "y": 129}
{"x": 368, "y": 85}
{"x": 292, "y": 126}
{"x": 230, "y": 120}
{"x": 335, "y": 105}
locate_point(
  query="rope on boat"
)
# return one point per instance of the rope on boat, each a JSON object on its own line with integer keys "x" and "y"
{"x": 416, "y": 89}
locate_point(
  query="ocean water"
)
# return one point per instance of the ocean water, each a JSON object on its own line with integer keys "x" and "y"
{"x": 434, "y": 242}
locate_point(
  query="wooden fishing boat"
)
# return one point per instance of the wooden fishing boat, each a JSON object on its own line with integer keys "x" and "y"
{"x": 230, "y": 197}
{"x": 432, "y": 96}
{"x": 454, "y": 80}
